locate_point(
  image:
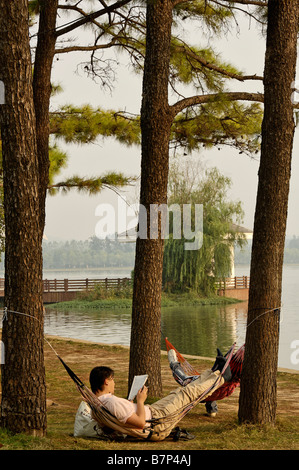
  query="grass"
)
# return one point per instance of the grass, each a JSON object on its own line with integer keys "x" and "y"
{"x": 100, "y": 298}
{"x": 222, "y": 432}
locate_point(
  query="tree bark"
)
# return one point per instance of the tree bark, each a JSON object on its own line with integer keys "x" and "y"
{"x": 44, "y": 56}
{"x": 258, "y": 384}
{"x": 23, "y": 406}
{"x": 156, "y": 120}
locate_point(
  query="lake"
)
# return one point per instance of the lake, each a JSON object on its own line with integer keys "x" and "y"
{"x": 192, "y": 330}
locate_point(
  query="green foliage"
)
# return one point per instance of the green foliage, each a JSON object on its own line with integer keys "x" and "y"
{"x": 100, "y": 293}
{"x": 197, "y": 270}
{"x": 214, "y": 17}
{"x": 91, "y": 185}
{"x": 188, "y": 65}
{"x": 219, "y": 123}
{"x": 33, "y": 6}
{"x": 84, "y": 124}
{"x": 58, "y": 160}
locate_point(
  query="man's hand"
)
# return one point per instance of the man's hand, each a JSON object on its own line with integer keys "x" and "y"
{"x": 137, "y": 420}
{"x": 142, "y": 394}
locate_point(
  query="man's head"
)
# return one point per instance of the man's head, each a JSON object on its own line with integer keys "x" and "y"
{"x": 101, "y": 378}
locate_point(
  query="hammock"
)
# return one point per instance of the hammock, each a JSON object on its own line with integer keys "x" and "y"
{"x": 105, "y": 419}
{"x": 189, "y": 373}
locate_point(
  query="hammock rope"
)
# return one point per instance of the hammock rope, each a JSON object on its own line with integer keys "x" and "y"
{"x": 104, "y": 417}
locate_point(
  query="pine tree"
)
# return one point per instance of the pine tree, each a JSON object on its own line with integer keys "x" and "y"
{"x": 258, "y": 395}
{"x": 157, "y": 118}
{"x": 23, "y": 405}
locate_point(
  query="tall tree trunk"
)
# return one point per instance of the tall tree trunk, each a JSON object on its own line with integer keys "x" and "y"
{"x": 44, "y": 55}
{"x": 258, "y": 383}
{"x": 23, "y": 406}
{"x": 156, "y": 121}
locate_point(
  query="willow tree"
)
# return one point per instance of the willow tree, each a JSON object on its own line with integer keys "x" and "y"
{"x": 196, "y": 270}
{"x": 258, "y": 396}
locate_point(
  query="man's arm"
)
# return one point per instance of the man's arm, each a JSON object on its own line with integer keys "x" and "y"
{"x": 137, "y": 420}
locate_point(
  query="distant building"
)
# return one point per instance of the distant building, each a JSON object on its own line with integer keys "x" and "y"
{"x": 248, "y": 235}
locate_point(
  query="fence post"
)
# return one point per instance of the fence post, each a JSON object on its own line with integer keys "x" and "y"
{"x": 66, "y": 285}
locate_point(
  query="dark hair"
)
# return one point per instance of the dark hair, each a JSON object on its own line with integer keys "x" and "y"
{"x": 97, "y": 377}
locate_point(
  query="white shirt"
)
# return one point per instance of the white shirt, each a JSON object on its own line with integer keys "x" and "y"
{"x": 121, "y": 408}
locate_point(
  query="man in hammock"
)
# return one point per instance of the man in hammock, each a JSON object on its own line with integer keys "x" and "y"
{"x": 138, "y": 415}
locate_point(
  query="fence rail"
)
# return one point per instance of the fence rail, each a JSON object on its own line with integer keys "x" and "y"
{"x": 240, "y": 282}
{"x": 76, "y": 285}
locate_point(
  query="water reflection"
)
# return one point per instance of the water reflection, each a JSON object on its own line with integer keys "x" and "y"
{"x": 199, "y": 330}
{"x": 193, "y": 330}
{"x": 102, "y": 326}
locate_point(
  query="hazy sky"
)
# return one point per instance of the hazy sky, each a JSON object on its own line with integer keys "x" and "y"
{"x": 72, "y": 216}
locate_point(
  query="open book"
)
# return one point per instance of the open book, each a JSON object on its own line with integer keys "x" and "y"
{"x": 137, "y": 384}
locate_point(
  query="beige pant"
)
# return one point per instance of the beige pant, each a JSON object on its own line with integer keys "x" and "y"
{"x": 178, "y": 399}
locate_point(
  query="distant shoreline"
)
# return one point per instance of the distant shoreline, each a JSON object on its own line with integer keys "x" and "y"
{"x": 122, "y": 268}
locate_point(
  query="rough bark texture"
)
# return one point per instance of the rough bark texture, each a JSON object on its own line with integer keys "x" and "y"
{"x": 44, "y": 55}
{"x": 156, "y": 121}
{"x": 258, "y": 384}
{"x": 23, "y": 405}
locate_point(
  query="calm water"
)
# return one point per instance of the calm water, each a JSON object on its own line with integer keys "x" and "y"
{"x": 192, "y": 330}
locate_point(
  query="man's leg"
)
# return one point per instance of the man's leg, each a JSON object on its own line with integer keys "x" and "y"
{"x": 182, "y": 396}
{"x": 211, "y": 408}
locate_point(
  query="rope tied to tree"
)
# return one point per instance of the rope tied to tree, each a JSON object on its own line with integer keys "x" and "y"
{"x": 269, "y": 310}
{"x": 5, "y": 317}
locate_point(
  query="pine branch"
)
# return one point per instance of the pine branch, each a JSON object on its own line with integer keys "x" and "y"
{"x": 201, "y": 60}
{"x": 212, "y": 97}
{"x": 84, "y": 125}
{"x": 87, "y": 48}
{"x": 258, "y": 3}
{"x": 92, "y": 185}
{"x": 90, "y": 17}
